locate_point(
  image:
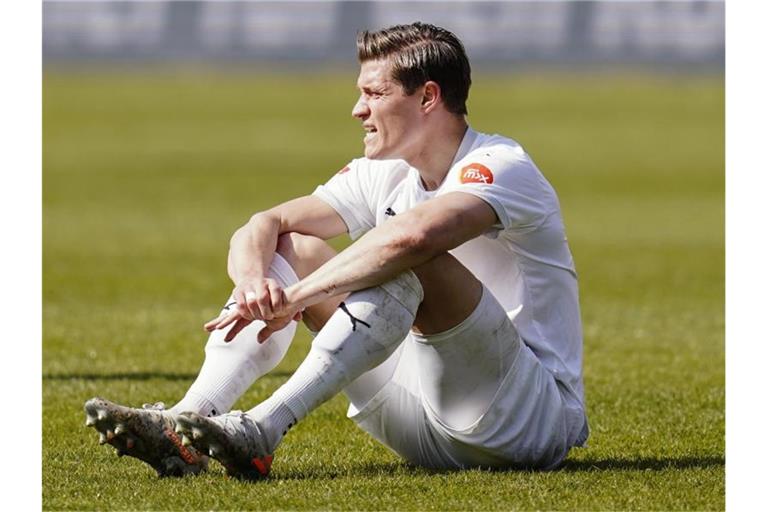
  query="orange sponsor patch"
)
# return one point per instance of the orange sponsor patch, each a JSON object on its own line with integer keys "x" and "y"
{"x": 476, "y": 173}
{"x": 345, "y": 169}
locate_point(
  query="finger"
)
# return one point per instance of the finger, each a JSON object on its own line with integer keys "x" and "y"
{"x": 230, "y": 318}
{"x": 276, "y": 297}
{"x": 251, "y": 304}
{"x": 210, "y": 325}
{"x": 240, "y": 298}
{"x": 265, "y": 304}
{"x": 264, "y": 334}
{"x": 297, "y": 316}
{"x": 242, "y": 304}
{"x": 239, "y": 326}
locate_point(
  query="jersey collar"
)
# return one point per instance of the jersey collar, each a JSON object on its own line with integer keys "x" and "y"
{"x": 466, "y": 145}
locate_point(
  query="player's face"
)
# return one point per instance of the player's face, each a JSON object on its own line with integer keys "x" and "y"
{"x": 391, "y": 119}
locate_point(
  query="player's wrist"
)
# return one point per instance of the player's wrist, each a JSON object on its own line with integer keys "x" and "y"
{"x": 296, "y": 297}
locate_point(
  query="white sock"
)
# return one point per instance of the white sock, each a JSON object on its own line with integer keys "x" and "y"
{"x": 231, "y": 368}
{"x": 365, "y": 330}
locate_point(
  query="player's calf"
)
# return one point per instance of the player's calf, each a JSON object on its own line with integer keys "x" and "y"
{"x": 147, "y": 434}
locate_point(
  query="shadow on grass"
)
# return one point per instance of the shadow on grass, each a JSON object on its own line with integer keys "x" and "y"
{"x": 642, "y": 464}
{"x": 363, "y": 470}
{"x": 138, "y": 376}
{"x": 610, "y": 464}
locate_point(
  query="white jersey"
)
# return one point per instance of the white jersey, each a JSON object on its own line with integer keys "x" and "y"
{"x": 524, "y": 259}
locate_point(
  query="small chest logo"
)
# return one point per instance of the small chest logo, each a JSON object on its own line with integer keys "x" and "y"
{"x": 476, "y": 173}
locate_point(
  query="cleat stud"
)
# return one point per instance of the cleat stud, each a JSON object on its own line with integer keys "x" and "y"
{"x": 110, "y": 435}
{"x": 90, "y": 421}
{"x": 179, "y": 429}
{"x": 218, "y": 449}
{"x": 213, "y": 450}
{"x": 119, "y": 429}
{"x": 197, "y": 433}
{"x": 102, "y": 414}
{"x": 102, "y": 438}
{"x": 185, "y": 440}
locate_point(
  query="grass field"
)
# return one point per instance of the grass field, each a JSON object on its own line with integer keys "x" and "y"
{"x": 146, "y": 177}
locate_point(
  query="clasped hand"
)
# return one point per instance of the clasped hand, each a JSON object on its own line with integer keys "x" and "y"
{"x": 259, "y": 299}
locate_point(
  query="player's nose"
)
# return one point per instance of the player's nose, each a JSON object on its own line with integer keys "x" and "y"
{"x": 360, "y": 110}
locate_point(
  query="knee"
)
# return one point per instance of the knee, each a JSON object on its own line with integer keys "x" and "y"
{"x": 305, "y": 253}
{"x": 295, "y": 245}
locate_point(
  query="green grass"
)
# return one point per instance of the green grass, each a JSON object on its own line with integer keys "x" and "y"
{"x": 146, "y": 177}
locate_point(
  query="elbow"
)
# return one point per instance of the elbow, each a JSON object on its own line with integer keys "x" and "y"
{"x": 237, "y": 235}
{"x": 240, "y": 233}
{"x": 255, "y": 223}
{"x": 257, "y": 219}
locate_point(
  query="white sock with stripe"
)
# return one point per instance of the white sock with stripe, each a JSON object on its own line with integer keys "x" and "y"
{"x": 366, "y": 329}
{"x": 230, "y": 368}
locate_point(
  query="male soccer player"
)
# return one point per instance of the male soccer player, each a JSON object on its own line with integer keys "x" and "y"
{"x": 451, "y": 323}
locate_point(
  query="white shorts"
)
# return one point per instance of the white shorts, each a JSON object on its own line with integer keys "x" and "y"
{"x": 525, "y": 424}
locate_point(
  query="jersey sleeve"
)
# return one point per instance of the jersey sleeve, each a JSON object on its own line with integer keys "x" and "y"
{"x": 349, "y": 193}
{"x": 506, "y": 179}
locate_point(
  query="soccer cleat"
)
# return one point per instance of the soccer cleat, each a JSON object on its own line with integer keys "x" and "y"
{"x": 233, "y": 439}
{"x": 146, "y": 434}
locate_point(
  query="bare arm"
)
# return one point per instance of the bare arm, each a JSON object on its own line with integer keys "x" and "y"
{"x": 407, "y": 240}
{"x": 253, "y": 246}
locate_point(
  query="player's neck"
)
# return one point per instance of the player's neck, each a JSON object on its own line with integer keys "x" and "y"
{"x": 437, "y": 154}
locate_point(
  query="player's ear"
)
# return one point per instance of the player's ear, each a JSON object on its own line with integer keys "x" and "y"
{"x": 430, "y": 96}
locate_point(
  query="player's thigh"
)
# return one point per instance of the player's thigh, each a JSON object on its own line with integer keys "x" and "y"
{"x": 306, "y": 254}
{"x": 461, "y": 369}
{"x": 488, "y": 399}
{"x": 451, "y": 293}
{"x": 395, "y": 415}
{"x": 364, "y": 388}
{"x": 527, "y": 424}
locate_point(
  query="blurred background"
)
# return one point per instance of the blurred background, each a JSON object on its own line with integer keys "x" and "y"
{"x": 167, "y": 124}
{"x": 497, "y": 34}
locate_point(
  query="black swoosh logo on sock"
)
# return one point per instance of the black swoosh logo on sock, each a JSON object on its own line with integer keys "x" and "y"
{"x": 352, "y": 318}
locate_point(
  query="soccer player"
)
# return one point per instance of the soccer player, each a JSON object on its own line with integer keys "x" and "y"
{"x": 452, "y": 322}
